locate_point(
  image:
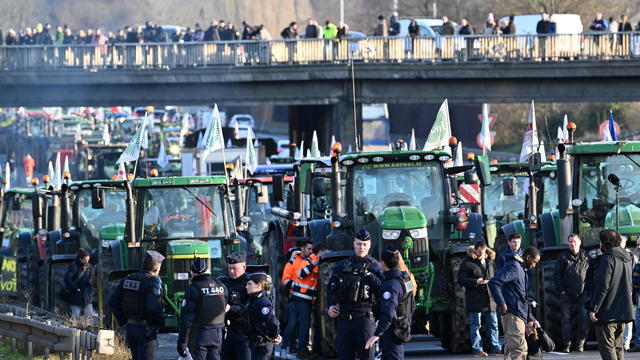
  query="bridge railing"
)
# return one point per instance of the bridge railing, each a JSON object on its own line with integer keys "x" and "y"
{"x": 491, "y": 48}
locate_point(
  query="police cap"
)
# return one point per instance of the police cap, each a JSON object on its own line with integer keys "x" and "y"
{"x": 154, "y": 257}
{"x": 199, "y": 266}
{"x": 237, "y": 258}
{"x": 363, "y": 235}
{"x": 255, "y": 277}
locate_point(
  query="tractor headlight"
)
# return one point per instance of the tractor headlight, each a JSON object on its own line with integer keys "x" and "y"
{"x": 419, "y": 233}
{"x": 390, "y": 234}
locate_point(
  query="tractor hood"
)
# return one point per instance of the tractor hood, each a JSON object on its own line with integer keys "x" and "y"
{"x": 402, "y": 217}
{"x": 629, "y": 219}
{"x": 112, "y": 232}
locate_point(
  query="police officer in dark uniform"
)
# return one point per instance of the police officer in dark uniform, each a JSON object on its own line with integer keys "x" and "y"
{"x": 137, "y": 303}
{"x": 264, "y": 328}
{"x": 352, "y": 287}
{"x": 236, "y": 343}
{"x": 202, "y": 314}
{"x": 397, "y": 303}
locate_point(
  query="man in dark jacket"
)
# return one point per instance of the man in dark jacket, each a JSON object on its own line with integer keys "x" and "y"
{"x": 513, "y": 247}
{"x": 570, "y": 275}
{"x": 509, "y": 290}
{"x": 78, "y": 283}
{"x": 447, "y": 27}
{"x": 474, "y": 273}
{"x": 611, "y": 305}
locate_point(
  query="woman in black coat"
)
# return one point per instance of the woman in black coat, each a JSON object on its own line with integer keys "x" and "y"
{"x": 78, "y": 284}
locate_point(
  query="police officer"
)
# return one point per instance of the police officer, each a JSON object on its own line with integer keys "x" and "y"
{"x": 352, "y": 287}
{"x": 136, "y": 302}
{"x": 264, "y": 328}
{"x": 236, "y": 344}
{"x": 396, "y": 308}
{"x": 202, "y": 315}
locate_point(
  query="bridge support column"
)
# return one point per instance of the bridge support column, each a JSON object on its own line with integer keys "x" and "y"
{"x": 345, "y": 124}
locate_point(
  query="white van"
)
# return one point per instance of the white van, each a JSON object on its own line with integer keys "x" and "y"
{"x": 565, "y": 23}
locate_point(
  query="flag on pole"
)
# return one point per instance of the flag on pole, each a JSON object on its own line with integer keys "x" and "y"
{"x": 213, "y": 139}
{"x": 485, "y": 131}
{"x": 163, "y": 158}
{"x": 299, "y": 151}
{"x": 145, "y": 140}
{"x": 184, "y": 129}
{"x": 132, "y": 151}
{"x": 612, "y": 128}
{"x": 607, "y": 136}
{"x": 543, "y": 152}
{"x": 441, "y": 129}
{"x": 333, "y": 141}
{"x": 459, "y": 160}
{"x": 530, "y": 136}
{"x": 229, "y": 143}
{"x": 560, "y": 136}
{"x": 78, "y": 134}
{"x": 122, "y": 172}
{"x": 565, "y": 132}
{"x": 315, "y": 150}
{"x": 7, "y": 176}
{"x": 57, "y": 179}
{"x": 412, "y": 141}
{"x": 50, "y": 172}
{"x": 106, "y": 137}
{"x": 308, "y": 153}
{"x": 250, "y": 157}
{"x": 66, "y": 167}
{"x": 236, "y": 132}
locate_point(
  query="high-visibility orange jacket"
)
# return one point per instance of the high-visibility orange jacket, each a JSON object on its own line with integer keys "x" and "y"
{"x": 287, "y": 272}
{"x": 305, "y": 281}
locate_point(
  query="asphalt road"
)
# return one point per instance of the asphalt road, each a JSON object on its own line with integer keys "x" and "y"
{"x": 422, "y": 348}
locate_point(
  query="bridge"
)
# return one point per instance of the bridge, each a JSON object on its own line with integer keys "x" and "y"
{"x": 303, "y": 73}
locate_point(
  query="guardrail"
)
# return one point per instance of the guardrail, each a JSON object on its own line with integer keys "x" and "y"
{"x": 494, "y": 48}
{"x": 55, "y": 338}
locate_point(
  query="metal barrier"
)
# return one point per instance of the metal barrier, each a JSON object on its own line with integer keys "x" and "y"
{"x": 492, "y": 48}
{"x": 81, "y": 344}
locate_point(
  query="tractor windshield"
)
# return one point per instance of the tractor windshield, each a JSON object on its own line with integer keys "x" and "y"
{"x": 182, "y": 212}
{"x": 260, "y": 214}
{"x": 598, "y": 195}
{"x": 505, "y": 208}
{"x": 18, "y": 219}
{"x": 105, "y": 224}
{"x": 418, "y": 184}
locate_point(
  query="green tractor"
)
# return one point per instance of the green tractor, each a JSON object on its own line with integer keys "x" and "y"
{"x": 597, "y": 189}
{"x": 180, "y": 217}
{"x": 403, "y": 198}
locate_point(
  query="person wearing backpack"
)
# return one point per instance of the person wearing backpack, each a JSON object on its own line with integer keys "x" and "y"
{"x": 474, "y": 274}
{"x": 397, "y": 303}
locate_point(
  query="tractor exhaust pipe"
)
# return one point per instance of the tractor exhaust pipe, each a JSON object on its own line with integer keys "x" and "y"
{"x": 131, "y": 208}
{"x": 564, "y": 193}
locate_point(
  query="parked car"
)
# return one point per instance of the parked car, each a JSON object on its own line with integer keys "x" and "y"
{"x": 242, "y": 119}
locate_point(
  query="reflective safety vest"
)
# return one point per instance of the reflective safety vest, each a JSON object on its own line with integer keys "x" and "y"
{"x": 305, "y": 280}
{"x": 287, "y": 272}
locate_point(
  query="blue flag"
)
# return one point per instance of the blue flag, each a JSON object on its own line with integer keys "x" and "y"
{"x": 612, "y": 128}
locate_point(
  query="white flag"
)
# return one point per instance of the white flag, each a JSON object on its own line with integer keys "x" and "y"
{"x": 57, "y": 179}
{"x": 106, "y": 137}
{"x": 66, "y": 168}
{"x": 299, "y": 151}
{"x": 565, "y": 132}
{"x": 163, "y": 158}
{"x": 132, "y": 151}
{"x": 122, "y": 172}
{"x": 213, "y": 139}
{"x": 459, "y": 160}
{"x": 543, "y": 152}
{"x": 145, "y": 140}
{"x": 486, "y": 133}
{"x": 560, "y": 135}
{"x": 50, "y": 172}
{"x": 250, "y": 157}
{"x": 308, "y": 154}
{"x": 412, "y": 141}
{"x": 7, "y": 176}
{"x": 315, "y": 150}
{"x": 229, "y": 143}
{"x": 333, "y": 141}
{"x": 184, "y": 130}
{"x": 236, "y": 132}
{"x": 78, "y": 134}
{"x": 530, "y": 136}
{"x": 441, "y": 129}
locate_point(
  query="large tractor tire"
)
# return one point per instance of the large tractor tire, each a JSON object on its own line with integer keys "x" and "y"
{"x": 458, "y": 334}
{"x": 552, "y": 316}
{"x": 272, "y": 253}
{"x": 327, "y": 326}
{"x": 107, "y": 287}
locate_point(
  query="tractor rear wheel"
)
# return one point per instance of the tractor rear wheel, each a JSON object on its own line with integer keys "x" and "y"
{"x": 459, "y": 339}
{"x": 327, "y": 325}
{"x": 58, "y": 271}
